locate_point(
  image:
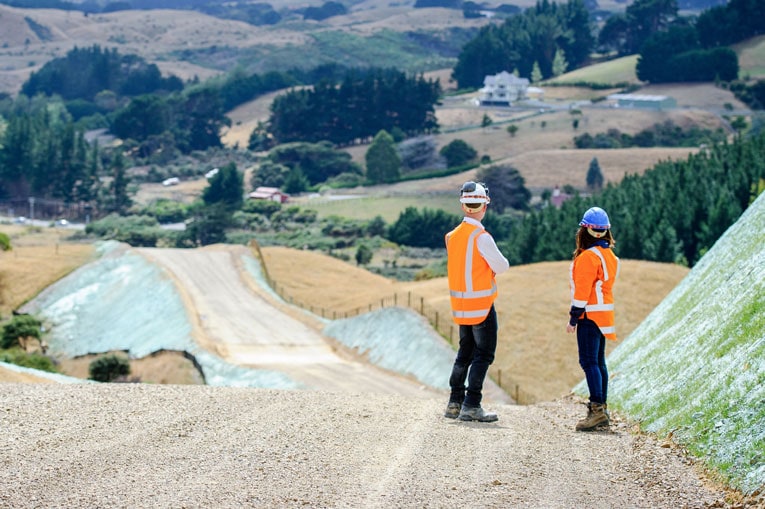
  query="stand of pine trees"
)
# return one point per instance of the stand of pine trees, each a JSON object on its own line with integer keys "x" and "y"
{"x": 357, "y": 109}
{"x": 673, "y": 213}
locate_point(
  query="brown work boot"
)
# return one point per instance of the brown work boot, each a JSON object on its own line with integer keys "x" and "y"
{"x": 596, "y": 416}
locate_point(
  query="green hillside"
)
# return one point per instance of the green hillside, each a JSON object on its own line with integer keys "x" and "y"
{"x": 695, "y": 367}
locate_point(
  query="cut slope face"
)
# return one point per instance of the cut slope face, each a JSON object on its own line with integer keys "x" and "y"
{"x": 695, "y": 367}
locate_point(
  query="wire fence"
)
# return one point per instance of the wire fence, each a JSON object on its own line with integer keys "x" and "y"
{"x": 441, "y": 323}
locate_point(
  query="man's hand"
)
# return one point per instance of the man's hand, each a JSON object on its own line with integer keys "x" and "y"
{"x": 570, "y": 328}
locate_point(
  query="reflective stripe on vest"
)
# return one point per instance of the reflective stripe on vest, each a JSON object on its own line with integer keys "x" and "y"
{"x": 599, "y": 305}
{"x": 472, "y": 304}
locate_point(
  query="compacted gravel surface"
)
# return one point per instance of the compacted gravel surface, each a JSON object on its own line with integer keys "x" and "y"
{"x": 140, "y": 445}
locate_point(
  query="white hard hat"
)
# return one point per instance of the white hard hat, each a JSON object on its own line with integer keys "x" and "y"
{"x": 474, "y": 192}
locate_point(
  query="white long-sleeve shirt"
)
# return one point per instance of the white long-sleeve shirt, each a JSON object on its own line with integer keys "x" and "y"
{"x": 489, "y": 250}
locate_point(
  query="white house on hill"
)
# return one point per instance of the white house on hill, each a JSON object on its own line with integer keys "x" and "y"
{"x": 503, "y": 88}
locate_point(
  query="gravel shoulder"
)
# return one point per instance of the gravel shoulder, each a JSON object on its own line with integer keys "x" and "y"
{"x": 139, "y": 445}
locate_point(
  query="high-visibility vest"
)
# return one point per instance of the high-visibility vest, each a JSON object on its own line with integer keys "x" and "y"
{"x": 472, "y": 287}
{"x": 593, "y": 273}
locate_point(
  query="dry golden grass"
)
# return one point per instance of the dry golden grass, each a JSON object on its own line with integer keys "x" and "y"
{"x": 159, "y": 368}
{"x": 534, "y": 351}
{"x": 40, "y": 256}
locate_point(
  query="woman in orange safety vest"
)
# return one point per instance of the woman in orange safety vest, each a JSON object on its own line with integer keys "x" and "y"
{"x": 593, "y": 272}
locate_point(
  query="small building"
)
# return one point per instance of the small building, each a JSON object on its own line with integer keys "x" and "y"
{"x": 269, "y": 193}
{"x": 558, "y": 197}
{"x": 502, "y": 89}
{"x": 642, "y": 101}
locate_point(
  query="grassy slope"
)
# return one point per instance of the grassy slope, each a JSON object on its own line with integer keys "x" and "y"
{"x": 751, "y": 56}
{"x": 695, "y": 368}
{"x": 620, "y": 70}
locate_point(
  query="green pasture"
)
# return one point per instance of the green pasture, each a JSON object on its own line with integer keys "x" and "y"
{"x": 386, "y": 49}
{"x": 619, "y": 70}
{"x": 751, "y": 57}
{"x": 388, "y": 207}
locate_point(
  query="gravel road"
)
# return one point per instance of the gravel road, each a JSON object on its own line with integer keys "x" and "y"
{"x": 139, "y": 445}
{"x": 358, "y": 438}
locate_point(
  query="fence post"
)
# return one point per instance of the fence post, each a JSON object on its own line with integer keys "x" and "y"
{"x": 409, "y": 302}
{"x": 436, "y": 327}
{"x": 395, "y": 299}
{"x": 422, "y": 305}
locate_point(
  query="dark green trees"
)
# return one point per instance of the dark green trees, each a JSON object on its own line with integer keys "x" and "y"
{"x": 382, "y": 159}
{"x": 109, "y": 368}
{"x": 84, "y": 72}
{"x": 676, "y": 55}
{"x": 535, "y": 36}
{"x": 422, "y": 228}
{"x": 507, "y": 188}
{"x": 42, "y": 154}
{"x": 594, "y": 177}
{"x": 356, "y": 109}
{"x": 458, "y": 152}
{"x": 674, "y": 212}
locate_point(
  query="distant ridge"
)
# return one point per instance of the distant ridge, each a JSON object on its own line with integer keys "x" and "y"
{"x": 694, "y": 369}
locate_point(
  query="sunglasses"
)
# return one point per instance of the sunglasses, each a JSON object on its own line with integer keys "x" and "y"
{"x": 469, "y": 187}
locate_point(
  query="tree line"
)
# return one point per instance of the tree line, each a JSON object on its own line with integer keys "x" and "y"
{"x": 666, "y": 134}
{"x": 43, "y": 154}
{"x": 673, "y": 213}
{"x": 531, "y": 39}
{"x": 676, "y": 48}
{"x": 357, "y": 108}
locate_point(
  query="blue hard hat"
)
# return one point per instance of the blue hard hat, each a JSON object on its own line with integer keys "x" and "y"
{"x": 596, "y": 218}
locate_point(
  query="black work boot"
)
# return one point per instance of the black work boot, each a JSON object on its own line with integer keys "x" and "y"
{"x": 468, "y": 413}
{"x": 452, "y": 410}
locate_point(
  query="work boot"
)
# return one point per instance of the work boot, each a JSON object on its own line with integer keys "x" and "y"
{"x": 452, "y": 410}
{"x": 596, "y": 416}
{"x": 469, "y": 413}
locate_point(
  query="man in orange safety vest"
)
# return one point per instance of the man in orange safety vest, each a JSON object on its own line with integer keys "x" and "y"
{"x": 473, "y": 261}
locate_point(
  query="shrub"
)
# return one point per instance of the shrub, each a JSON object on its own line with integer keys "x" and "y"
{"x": 21, "y": 326}
{"x": 109, "y": 367}
{"x": 29, "y": 360}
{"x": 458, "y": 152}
{"x": 5, "y": 242}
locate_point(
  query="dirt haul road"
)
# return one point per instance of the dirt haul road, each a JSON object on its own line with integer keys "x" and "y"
{"x": 236, "y": 319}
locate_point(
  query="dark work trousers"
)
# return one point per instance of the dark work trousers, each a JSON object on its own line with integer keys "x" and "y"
{"x": 592, "y": 359}
{"x": 476, "y": 352}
